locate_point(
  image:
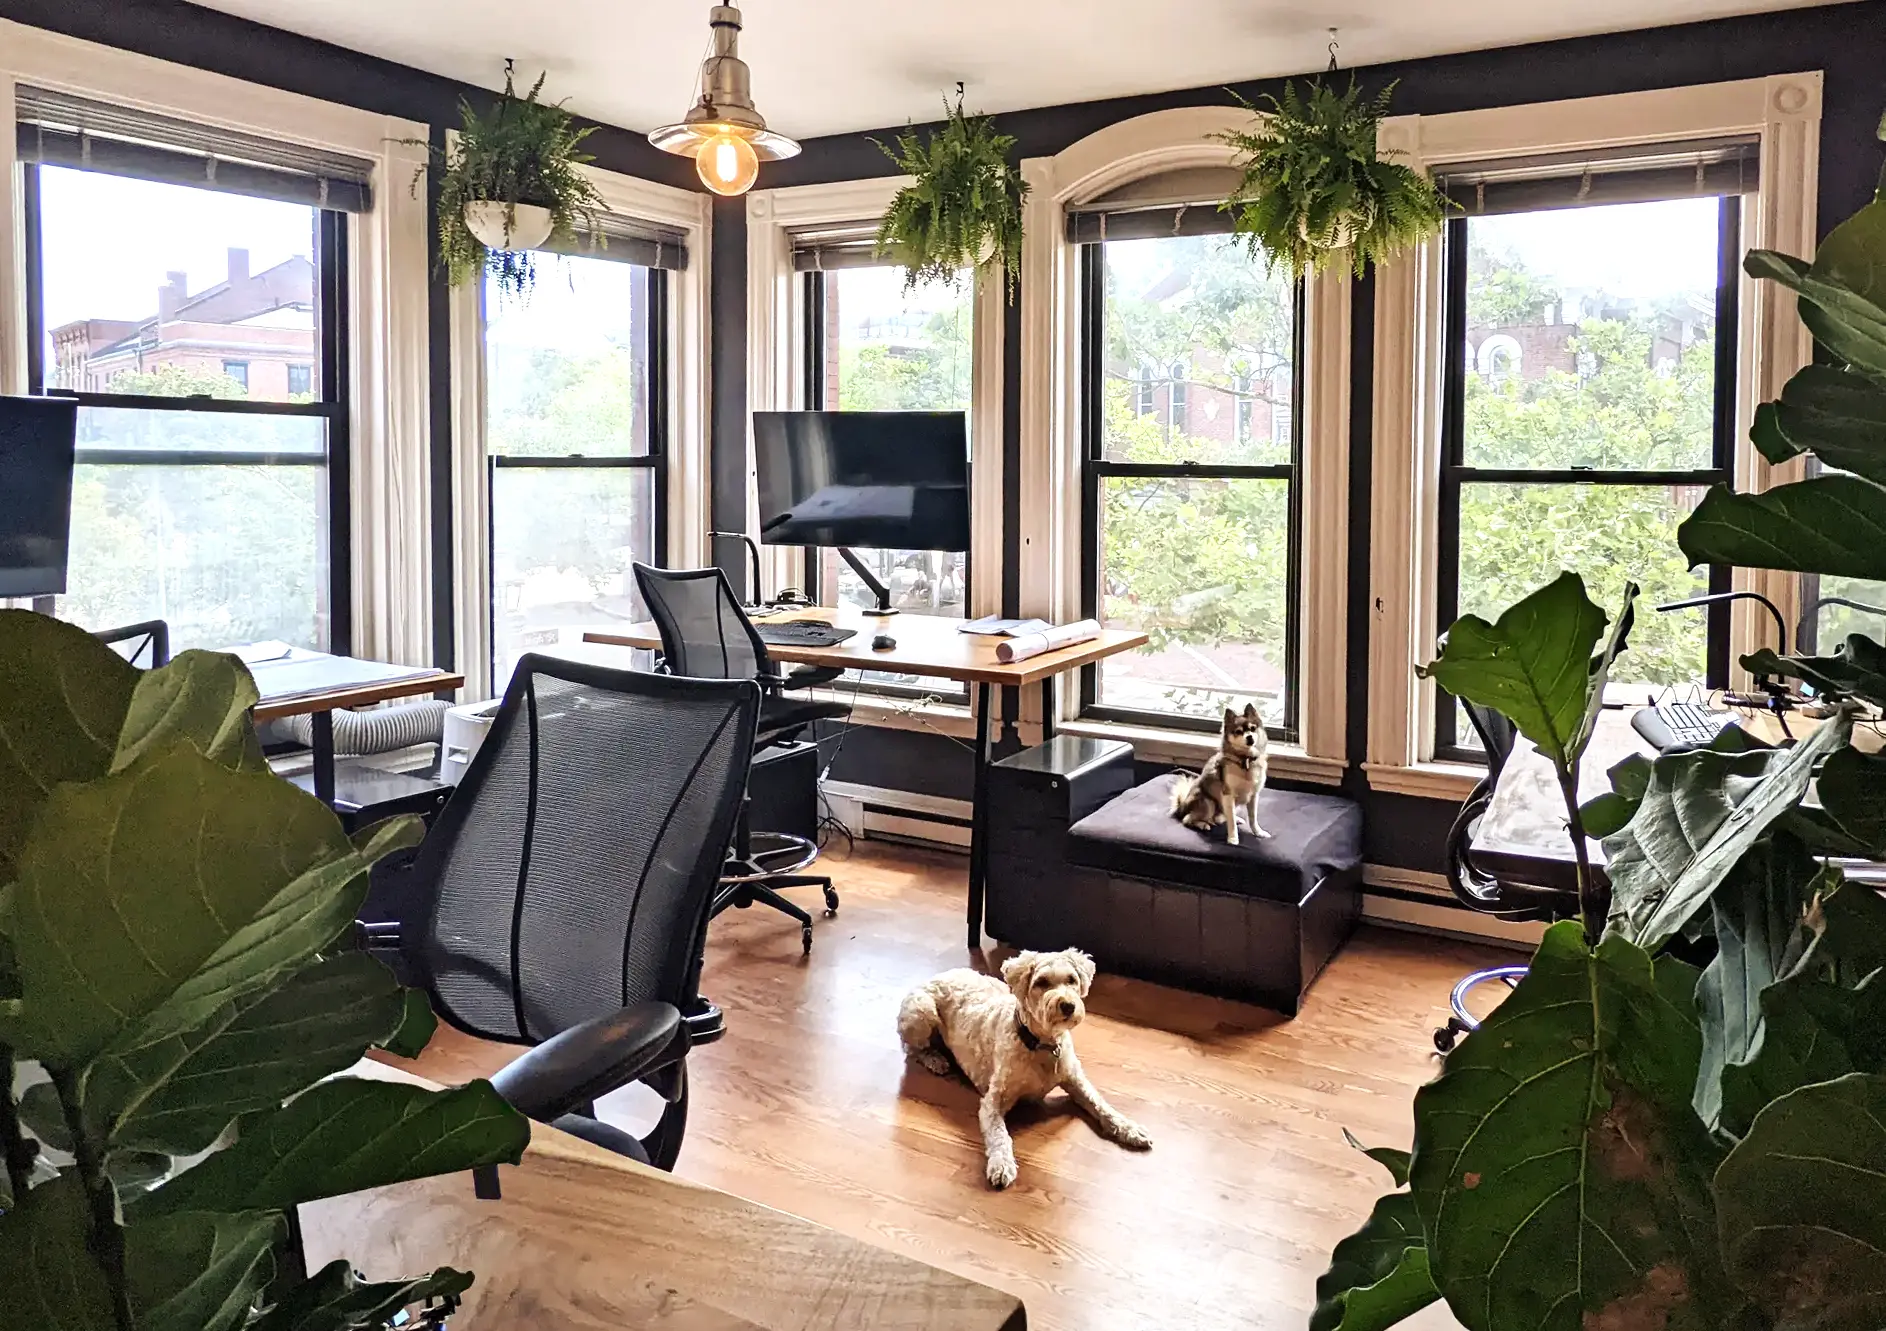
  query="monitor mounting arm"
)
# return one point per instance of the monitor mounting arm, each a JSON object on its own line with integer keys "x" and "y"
{"x": 870, "y": 580}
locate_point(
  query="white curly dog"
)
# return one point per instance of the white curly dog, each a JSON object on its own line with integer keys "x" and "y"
{"x": 1013, "y": 1038}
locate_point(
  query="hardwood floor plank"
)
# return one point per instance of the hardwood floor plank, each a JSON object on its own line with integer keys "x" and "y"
{"x": 808, "y": 1105}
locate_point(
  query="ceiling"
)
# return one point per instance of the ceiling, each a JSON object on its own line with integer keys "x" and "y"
{"x": 829, "y": 66}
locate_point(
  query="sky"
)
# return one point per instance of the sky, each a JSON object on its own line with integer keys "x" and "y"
{"x": 110, "y": 240}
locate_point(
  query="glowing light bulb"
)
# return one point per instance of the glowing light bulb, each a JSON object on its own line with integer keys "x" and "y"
{"x": 727, "y": 164}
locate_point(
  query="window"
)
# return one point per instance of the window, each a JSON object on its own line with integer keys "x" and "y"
{"x": 1589, "y": 403}
{"x": 576, "y": 434}
{"x": 1190, "y": 517}
{"x": 878, "y": 347}
{"x": 300, "y": 381}
{"x": 202, "y": 498}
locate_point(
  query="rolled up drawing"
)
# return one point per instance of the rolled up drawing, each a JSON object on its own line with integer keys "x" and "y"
{"x": 1011, "y": 650}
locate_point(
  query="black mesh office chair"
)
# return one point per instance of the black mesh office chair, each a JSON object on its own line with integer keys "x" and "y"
{"x": 706, "y": 635}
{"x": 562, "y": 898}
{"x": 1481, "y": 891}
{"x": 146, "y": 644}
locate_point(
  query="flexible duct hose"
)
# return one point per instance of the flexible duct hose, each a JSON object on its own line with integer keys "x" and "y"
{"x": 379, "y": 731}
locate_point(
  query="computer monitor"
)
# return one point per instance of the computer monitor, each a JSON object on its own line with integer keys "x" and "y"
{"x": 887, "y": 479}
{"x": 38, "y": 436}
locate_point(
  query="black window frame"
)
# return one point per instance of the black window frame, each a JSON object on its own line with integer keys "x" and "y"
{"x": 333, "y": 339}
{"x": 813, "y": 392}
{"x": 1096, "y": 467}
{"x": 1455, "y": 473}
{"x": 653, "y": 459}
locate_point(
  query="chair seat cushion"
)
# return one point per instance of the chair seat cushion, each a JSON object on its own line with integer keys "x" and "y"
{"x": 1312, "y": 836}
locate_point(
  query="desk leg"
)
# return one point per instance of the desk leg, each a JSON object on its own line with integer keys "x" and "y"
{"x": 323, "y": 746}
{"x": 1047, "y": 709}
{"x": 979, "y": 817}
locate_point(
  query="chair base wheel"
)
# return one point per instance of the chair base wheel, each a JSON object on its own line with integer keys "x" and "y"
{"x": 1449, "y": 1035}
{"x": 805, "y": 941}
{"x": 831, "y": 903}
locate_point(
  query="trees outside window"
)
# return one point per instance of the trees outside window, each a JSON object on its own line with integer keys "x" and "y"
{"x": 1190, "y": 508}
{"x": 577, "y": 476}
{"x": 1586, "y": 416}
{"x": 205, "y": 493}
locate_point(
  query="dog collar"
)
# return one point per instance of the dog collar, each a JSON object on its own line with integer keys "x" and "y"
{"x": 1244, "y": 761}
{"x": 1030, "y": 1041}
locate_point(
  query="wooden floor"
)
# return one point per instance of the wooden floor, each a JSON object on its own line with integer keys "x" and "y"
{"x": 807, "y": 1105}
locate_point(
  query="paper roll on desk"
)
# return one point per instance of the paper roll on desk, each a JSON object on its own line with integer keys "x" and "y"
{"x": 1011, "y": 650}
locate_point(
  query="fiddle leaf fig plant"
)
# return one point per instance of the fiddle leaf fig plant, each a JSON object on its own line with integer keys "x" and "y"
{"x": 962, "y": 210}
{"x": 178, "y": 993}
{"x": 1316, "y": 189}
{"x": 1629, "y": 1140}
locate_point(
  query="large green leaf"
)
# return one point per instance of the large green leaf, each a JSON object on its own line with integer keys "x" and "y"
{"x": 176, "y": 1094}
{"x": 1811, "y": 1031}
{"x": 1702, "y": 812}
{"x": 1379, "y": 1275}
{"x": 1561, "y": 1176}
{"x": 1832, "y": 525}
{"x": 63, "y": 696}
{"x": 1837, "y": 415}
{"x": 1802, "y": 1201}
{"x": 49, "y": 1280}
{"x": 333, "y": 1300}
{"x": 150, "y": 898}
{"x": 343, "y": 1136}
{"x": 1760, "y": 915}
{"x": 1532, "y": 666}
{"x": 1857, "y": 669}
{"x": 1609, "y": 812}
{"x": 202, "y": 698}
{"x": 416, "y": 1029}
{"x": 1843, "y": 320}
{"x": 199, "y": 1271}
{"x": 1852, "y": 789}
{"x": 1394, "y": 1161}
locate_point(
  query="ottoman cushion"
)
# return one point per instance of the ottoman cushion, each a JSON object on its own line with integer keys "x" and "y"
{"x": 1312, "y": 836}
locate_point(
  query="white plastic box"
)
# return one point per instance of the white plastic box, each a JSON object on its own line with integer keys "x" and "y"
{"x": 465, "y": 729}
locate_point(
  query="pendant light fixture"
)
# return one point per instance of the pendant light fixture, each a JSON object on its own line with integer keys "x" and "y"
{"x": 724, "y": 135}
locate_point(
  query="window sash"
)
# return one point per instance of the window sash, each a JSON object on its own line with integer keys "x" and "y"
{"x": 1096, "y": 467}
{"x": 1456, "y": 474}
{"x": 333, "y": 348}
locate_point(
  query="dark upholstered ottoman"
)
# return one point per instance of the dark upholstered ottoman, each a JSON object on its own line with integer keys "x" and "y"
{"x": 1150, "y": 897}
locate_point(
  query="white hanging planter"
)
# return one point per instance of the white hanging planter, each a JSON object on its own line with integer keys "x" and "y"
{"x": 508, "y": 226}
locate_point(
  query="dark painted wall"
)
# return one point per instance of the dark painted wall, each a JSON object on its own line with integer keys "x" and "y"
{"x": 1847, "y": 42}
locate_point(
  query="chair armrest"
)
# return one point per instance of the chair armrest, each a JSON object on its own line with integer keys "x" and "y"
{"x": 382, "y": 936}
{"x": 810, "y": 677}
{"x": 567, "y": 1072}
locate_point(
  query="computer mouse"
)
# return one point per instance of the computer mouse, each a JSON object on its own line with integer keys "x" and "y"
{"x": 884, "y": 642}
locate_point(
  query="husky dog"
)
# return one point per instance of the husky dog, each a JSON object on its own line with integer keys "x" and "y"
{"x": 1232, "y": 780}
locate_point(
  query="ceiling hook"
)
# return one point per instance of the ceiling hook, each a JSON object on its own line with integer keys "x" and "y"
{"x": 1333, "y": 43}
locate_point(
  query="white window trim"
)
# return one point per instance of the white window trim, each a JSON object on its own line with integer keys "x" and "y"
{"x": 1785, "y": 111}
{"x": 1051, "y": 447}
{"x": 391, "y": 496}
{"x": 776, "y": 362}
{"x": 687, "y": 389}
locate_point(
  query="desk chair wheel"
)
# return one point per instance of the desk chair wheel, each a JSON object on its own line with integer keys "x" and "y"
{"x": 831, "y": 901}
{"x": 805, "y": 941}
{"x": 1463, "y": 1022}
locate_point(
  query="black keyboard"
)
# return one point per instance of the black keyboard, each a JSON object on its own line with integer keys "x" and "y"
{"x": 803, "y": 633}
{"x": 1676, "y": 726}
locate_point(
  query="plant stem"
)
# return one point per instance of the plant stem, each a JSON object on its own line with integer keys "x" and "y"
{"x": 1590, "y": 909}
{"x": 20, "y": 1153}
{"x": 107, "y": 1238}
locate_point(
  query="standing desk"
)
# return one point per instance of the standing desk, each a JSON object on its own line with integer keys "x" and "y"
{"x": 935, "y": 648}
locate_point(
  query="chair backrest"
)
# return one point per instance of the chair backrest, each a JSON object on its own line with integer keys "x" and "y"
{"x": 704, "y": 632}
{"x": 571, "y": 872}
{"x": 146, "y": 644}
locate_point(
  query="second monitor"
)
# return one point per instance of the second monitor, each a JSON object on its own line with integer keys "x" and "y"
{"x": 882, "y": 479}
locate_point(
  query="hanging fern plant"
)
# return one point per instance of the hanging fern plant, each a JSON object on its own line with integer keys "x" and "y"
{"x": 964, "y": 207}
{"x": 1315, "y": 188}
{"x": 523, "y": 155}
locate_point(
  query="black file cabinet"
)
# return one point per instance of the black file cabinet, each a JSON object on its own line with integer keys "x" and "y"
{"x": 1034, "y": 797}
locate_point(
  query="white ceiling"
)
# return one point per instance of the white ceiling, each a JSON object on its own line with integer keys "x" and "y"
{"x": 829, "y": 66}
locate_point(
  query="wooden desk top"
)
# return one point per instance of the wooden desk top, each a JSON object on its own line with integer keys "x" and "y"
{"x": 927, "y": 645}
{"x": 584, "y": 1238}
{"x": 324, "y": 683}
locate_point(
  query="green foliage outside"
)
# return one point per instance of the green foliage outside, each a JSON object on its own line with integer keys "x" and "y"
{"x": 224, "y": 554}
{"x": 178, "y": 990}
{"x": 1631, "y": 1141}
